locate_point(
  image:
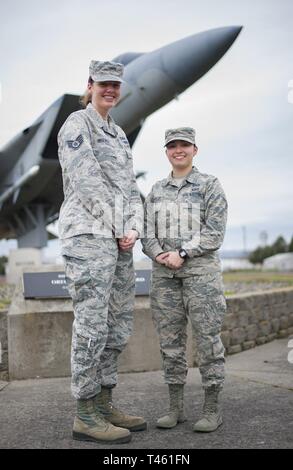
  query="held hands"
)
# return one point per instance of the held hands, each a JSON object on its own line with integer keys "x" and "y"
{"x": 162, "y": 258}
{"x": 171, "y": 259}
{"x": 128, "y": 241}
{"x": 174, "y": 261}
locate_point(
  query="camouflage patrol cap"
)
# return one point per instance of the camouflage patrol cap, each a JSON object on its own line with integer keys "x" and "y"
{"x": 106, "y": 71}
{"x": 181, "y": 133}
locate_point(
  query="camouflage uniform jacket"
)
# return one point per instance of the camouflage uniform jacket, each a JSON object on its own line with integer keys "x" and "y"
{"x": 97, "y": 168}
{"x": 201, "y": 247}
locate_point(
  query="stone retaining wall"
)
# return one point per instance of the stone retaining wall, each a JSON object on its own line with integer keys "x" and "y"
{"x": 254, "y": 319}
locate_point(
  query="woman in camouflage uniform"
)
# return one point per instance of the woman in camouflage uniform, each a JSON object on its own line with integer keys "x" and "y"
{"x": 99, "y": 185}
{"x": 184, "y": 227}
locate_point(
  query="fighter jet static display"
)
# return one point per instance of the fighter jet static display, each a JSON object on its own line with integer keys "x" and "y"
{"x": 31, "y": 191}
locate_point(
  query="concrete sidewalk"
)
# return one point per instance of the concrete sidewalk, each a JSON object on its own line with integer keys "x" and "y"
{"x": 257, "y": 404}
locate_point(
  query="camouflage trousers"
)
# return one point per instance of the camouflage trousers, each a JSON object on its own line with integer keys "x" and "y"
{"x": 201, "y": 299}
{"x": 100, "y": 279}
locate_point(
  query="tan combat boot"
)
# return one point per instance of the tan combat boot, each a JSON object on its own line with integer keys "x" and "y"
{"x": 104, "y": 405}
{"x": 89, "y": 425}
{"x": 176, "y": 412}
{"x": 212, "y": 417}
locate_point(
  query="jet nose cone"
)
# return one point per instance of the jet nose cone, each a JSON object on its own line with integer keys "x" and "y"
{"x": 188, "y": 59}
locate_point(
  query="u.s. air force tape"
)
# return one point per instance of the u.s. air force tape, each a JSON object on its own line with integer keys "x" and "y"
{"x": 75, "y": 144}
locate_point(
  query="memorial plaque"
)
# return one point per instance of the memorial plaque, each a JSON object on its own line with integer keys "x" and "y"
{"x": 142, "y": 281}
{"x": 48, "y": 285}
{"x": 45, "y": 285}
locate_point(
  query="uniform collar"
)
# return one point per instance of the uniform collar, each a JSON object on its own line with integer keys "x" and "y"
{"x": 192, "y": 177}
{"x": 108, "y": 127}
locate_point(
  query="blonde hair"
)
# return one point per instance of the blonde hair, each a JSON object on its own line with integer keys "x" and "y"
{"x": 86, "y": 98}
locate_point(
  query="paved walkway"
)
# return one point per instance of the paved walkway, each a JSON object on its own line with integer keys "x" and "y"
{"x": 257, "y": 403}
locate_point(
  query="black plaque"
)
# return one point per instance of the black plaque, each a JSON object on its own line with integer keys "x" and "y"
{"x": 45, "y": 285}
{"x": 52, "y": 285}
{"x": 142, "y": 281}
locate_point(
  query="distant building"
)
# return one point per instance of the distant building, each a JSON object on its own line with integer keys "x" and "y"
{"x": 280, "y": 262}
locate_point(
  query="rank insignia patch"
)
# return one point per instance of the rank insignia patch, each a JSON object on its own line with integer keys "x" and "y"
{"x": 75, "y": 144}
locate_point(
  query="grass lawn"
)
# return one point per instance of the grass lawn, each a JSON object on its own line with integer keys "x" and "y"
{"x": 258, "y": 277}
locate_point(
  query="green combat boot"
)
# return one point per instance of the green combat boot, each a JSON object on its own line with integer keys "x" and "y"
{"x": 105, "y": 406}
{"x": 89, "y": 425}
{"x": 212, "y": 417}
{"x": 176, "y": 412}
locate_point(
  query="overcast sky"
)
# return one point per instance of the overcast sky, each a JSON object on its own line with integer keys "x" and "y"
{"x": 241, "y": 108}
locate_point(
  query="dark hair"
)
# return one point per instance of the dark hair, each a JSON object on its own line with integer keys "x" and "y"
{"x": 86, "y": 98}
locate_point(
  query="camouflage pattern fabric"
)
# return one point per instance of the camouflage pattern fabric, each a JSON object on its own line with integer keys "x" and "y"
{"x": 201, "y": 298}
{"x": 101, "y": 203}
{"x": 195, "y": 289}
{"x": 101, "y": 282}
{"x": 197, "y": 189}
{"x": 101, "y": 196}
{"x": 106, "y": 71}
{"x": 180, "y": 133}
